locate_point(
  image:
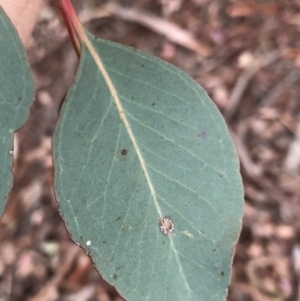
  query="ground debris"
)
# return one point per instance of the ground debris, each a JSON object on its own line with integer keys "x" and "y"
{"x": 248, "y": 63}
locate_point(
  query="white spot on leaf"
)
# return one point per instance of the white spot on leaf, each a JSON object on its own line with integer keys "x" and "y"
{"x": 166, "y": 225}
{"x": 187, "y": 233}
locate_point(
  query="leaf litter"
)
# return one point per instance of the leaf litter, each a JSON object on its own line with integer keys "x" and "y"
{"x": 39, "y": 262}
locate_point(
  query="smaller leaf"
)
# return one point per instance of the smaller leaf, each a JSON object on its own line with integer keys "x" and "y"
{"x": 16, "y": 96}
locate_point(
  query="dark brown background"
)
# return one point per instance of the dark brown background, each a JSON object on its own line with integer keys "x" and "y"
{"x": 246, "y": 54}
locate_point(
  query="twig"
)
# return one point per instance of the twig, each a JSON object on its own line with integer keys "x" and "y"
{"x": 279, "y": 89}
{"x": 244, "y": 80}
{"x": 250, "y": 167}
{"x": 253, "y": 171}
{"x": 170, "y": 30}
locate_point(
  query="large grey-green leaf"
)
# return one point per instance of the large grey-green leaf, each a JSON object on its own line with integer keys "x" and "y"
{"x": 137, "y": 141}
{"x": 16, "y": 95}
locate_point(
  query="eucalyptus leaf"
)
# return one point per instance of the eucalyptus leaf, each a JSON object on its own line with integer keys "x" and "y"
{"x": 16, "y": 96}
{"x": 140, "y": 148}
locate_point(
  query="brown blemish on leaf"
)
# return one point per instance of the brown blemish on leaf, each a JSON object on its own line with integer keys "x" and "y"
{"x": 124, "y": 152}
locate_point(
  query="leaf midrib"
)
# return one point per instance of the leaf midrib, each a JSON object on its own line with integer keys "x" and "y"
{"x": 124, "y": 119}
